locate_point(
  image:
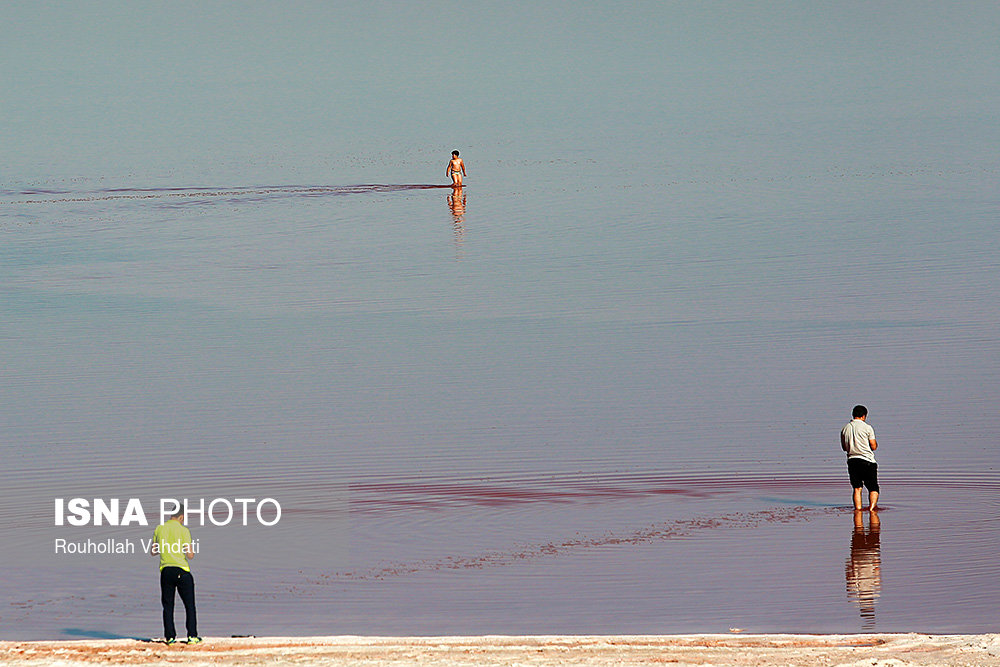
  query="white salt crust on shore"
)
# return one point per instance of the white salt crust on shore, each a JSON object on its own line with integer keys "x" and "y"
{"x": 869, "y": 650}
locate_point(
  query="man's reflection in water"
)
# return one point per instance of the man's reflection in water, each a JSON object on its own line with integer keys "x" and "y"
{"x": 456, "y": 202}
{"x": 864, "y": 568}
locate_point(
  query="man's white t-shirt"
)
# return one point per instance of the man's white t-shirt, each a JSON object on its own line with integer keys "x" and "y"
{"x": 857, "y": 434}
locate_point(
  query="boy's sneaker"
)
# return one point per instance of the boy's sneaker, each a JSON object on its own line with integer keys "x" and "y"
{"x": 194, "y": 640}
{"x": 168, "y": 642}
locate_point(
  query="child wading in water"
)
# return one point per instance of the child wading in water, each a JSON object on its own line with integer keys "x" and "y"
{"x": 455, "y": 169}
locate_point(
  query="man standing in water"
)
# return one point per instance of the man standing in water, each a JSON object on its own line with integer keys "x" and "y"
{"x": 858, "y": 440}
{"x": 455, "y": 169}
{"x": 172, "y": 543}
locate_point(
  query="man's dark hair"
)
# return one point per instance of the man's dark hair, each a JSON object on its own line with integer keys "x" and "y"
{"x": 455, "y": 153}
{"x": 859, "y": 412}
{"x": 180, "y": 512}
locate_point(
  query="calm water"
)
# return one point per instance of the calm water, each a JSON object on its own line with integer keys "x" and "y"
{"x": 600, "y": 391}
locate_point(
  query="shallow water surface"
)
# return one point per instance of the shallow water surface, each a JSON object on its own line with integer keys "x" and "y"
{"x": 536, "y": 412}
{"x": 598, "y": 390}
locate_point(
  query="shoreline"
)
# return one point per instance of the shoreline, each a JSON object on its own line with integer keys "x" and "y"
{"x": 806, "y": 650}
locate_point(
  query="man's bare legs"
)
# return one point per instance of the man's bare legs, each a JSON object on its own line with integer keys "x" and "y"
{"x": 872, "y": 498}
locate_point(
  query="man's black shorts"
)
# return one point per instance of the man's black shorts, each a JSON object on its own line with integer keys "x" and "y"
{"x": 863, "y": 473}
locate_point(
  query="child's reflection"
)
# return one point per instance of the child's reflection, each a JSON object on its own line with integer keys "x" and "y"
{"x": 456, "y": 202}
{"x": 864, "y": 567}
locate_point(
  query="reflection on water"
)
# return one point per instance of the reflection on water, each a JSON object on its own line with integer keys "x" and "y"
{"x": 864, "y": 567}
{"x": 456, "y": 202}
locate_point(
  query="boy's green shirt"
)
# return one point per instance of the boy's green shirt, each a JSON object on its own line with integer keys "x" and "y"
{"x": 171, "y": 536}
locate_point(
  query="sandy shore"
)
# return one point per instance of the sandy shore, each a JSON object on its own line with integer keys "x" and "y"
{"x": 896, "y": 650}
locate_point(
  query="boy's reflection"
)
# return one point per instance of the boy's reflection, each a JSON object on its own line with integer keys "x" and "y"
{"x": 864, "y": 567}
{"x": 456, "y": 202}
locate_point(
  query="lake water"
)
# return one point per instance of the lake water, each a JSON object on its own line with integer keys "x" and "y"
{"x": 599, "y": 391}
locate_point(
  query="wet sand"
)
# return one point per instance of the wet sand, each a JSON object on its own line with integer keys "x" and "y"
{"x": 897, "y": 650}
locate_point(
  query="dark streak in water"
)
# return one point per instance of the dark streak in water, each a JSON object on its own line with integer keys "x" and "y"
{"x": 663, "y": 531}
{"x": 113, "y": 194}
{"x": 425, "y": 494}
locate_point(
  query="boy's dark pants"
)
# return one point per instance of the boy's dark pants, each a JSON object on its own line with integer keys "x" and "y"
{"x": 171, "y": 579}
